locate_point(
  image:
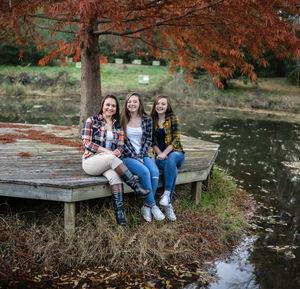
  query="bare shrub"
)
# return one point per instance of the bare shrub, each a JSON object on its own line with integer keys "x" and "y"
{"x": 202, "y": 89}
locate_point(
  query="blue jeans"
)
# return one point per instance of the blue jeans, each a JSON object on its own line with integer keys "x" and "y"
{"x": 148, "y": 174}
{"x": 170, "y": 167}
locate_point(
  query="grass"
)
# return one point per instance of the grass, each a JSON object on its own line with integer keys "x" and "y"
{"x": 125, "y": 77}
{"x": 273, "y": 94}
{"x": 114, "y": 77}
{"x": 50, "y": 71}
{"x": 32, "y": 242}
{"x": 13, "y": 89}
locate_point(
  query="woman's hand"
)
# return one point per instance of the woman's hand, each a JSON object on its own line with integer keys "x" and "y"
{"x": 141, "y": 160}
{"x": 162, "y": 156}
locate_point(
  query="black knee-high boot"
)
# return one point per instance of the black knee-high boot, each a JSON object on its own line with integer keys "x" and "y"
{"x": 118, "y": 199}
{"x": 127, "y": 177}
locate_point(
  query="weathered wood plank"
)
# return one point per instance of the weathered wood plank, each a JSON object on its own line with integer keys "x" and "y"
{"x": 34, "y": 191}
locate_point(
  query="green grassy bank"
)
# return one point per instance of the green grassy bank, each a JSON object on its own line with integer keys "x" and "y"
{"x": 114, "y": 78}
{"x": 274, "y": 94}
{"x": 32, "y": 243}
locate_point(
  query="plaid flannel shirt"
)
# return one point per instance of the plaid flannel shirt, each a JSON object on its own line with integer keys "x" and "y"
{"x": 94, "y": 135}
{"x": 128, "y": 149}
{"x": 172, "y": 131}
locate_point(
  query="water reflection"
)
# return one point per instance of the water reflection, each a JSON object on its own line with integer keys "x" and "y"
{"x": 40, "y": 110}
{"x": 238, "y": 272}
{"x": 254, "y": 150}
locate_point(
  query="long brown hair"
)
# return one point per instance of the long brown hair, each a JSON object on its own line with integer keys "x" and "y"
{"x": 116, "y": 116}
{"x": 125, "y": 113}
{"x": 153, "y": 112}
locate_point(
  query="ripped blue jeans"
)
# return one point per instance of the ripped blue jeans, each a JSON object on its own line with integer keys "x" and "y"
{"x": 148, "y": 174}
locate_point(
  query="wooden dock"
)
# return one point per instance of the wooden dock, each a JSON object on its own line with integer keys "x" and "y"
{"x": 44, "y": 162}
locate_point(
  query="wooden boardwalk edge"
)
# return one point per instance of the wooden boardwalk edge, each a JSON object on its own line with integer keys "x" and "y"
{"x": 47, "y": 169}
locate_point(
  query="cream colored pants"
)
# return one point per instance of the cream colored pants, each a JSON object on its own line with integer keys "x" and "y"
{"x": 103, "y": 164}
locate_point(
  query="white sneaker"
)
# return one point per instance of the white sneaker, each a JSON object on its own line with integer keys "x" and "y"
{"x": 165, "y": 199}
{"x": 146, "y": 213}
{"x": 169, "y": 210}
{"x": 157, "y": 213}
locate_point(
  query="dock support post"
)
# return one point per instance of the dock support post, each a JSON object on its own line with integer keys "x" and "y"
{"x": 69, "y": 216}
{"x": 207, "y": 182}
{"x": 196, "y": 192}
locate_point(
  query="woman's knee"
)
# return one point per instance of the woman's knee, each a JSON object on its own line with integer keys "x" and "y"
{"x": 173, "y": 156}
{"x": 93, "y": 167}
{"x": 144, "y": 173}
{"x": 115, "y": 161}
{"x": 112, "y": 177}
{"x": 155, "y": 172}
{"x": 170, "y": 163}
{"x": 160, "y": 164}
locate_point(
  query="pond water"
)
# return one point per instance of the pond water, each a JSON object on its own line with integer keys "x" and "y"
{"x": 40, "y": 110}
{"x": 263, "y": 154}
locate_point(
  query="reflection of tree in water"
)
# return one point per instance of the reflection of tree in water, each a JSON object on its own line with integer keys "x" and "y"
{"x": 245, "y": 283}
{"x": 274, "y": 271}
{"x": 40, "y": 110}
{"x": 253, "y": 151}
{"x": 246, "y": 278}
{"x": 289, "y": 190}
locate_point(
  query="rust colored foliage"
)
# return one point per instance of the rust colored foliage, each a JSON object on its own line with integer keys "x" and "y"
{"x": 49, "y": 138}
{"x": 12, "y": 125}
{"x": 24, "y": 155}
{"x": 9, "y": 138}
{"x": 27, "y": 132}
{"x": 211, "y": 34}
{"x": 21, "y": 257}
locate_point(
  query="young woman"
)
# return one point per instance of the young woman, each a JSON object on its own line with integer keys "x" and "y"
{"x": 168, "y": 148}
{"x": 103, "y": 139}
{"x": 138, "y": 139}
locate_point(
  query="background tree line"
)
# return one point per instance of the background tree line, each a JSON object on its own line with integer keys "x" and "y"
{"x": 10, "y": 54}
{"x": 278, "y": 67}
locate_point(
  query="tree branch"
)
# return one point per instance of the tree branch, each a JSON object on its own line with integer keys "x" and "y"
{"x": 48, "y": 28}
{"x": 158, "y": 23}
{"x": 147, "y": 42}
{"x": 42, "y": 16}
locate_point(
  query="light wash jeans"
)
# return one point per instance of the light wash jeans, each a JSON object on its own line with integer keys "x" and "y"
{"x": 170, "y": 168}
{"x": 148, "y": 174}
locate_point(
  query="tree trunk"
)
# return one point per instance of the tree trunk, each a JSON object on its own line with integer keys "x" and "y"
{"x": 90, "y": 80}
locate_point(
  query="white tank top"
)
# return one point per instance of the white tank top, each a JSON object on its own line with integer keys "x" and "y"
{"x": 134, "y": 134}
{"x": 109, "y": 139}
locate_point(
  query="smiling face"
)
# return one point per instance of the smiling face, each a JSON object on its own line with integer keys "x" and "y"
{"x": 161, "y": 106}
{"x": 133, "y": 104}
{"x": 109, "y": 107}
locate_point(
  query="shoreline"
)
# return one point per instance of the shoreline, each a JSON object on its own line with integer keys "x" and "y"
{"x": 285, "y": 116}
{"x": 187, "y": 251}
